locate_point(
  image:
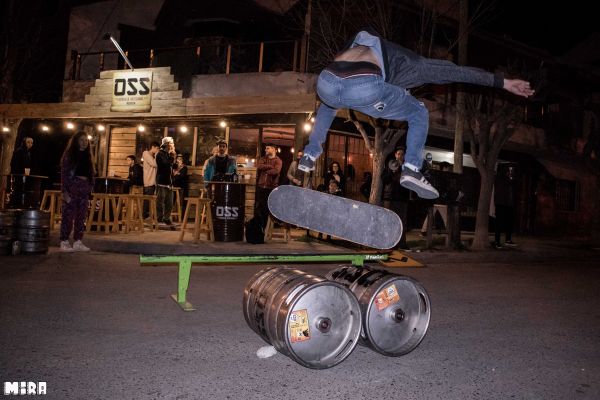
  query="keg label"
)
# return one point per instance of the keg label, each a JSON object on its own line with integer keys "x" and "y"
{"x": 386, "y": 297}
{"x": 298, "y": 326}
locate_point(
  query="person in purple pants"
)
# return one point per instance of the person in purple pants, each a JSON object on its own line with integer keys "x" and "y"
{"x": 77, "y": 179}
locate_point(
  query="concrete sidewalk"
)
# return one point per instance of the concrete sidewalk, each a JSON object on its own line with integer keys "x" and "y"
{"x": 532, "y": 249}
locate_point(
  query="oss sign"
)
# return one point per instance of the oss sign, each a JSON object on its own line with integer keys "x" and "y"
{"x": 132, "y": 91}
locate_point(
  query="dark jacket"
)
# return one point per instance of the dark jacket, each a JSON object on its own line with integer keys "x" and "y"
{"x": 71, "y": 184}
{"x": 164, "y": 164}
{"x": 21, "y": 159}
{"x": 180, "y": 179}
{"x": 136, "y": 175}
{"x": 268, "y": 170}
{"x": 406, "y": 69}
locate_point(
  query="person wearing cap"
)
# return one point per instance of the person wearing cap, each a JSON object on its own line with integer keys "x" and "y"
{"x": 165, "y": 158}
{"x": 220, "y": 164}
{"x": 268, "y": 169}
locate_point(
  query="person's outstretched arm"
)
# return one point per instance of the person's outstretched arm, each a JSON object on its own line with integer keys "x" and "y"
{"x": 518, "y": 87}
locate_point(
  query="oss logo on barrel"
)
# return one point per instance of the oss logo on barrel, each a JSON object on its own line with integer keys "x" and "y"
{"x": 132, "y": 91}
{"x": 226, "y": 212}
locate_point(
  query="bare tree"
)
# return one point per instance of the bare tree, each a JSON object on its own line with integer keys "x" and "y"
{"x": 493, "y": 119}
{"x": 385, "y": 139}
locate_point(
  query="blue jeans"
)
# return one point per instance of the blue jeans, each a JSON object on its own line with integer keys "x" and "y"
{"x": 370, "y": 95}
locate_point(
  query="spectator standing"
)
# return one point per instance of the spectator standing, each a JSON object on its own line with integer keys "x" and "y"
{"x": 505, "y": 201}
{"x": 77, "y": 181}
{"x": 396, "y": 197}
{"x": 149, "y": 166}
{"x": 294, "y": 175}
{"x": 268, "y": 169}
{"x": 180, "y": 178}
{"x": 335, "y": 172}
{"x": 219, "y": 165}
{"x": 165, "y": 160}
{"x": 21, "y": 160}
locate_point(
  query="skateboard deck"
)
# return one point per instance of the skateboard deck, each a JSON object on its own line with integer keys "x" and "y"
{"x": 337, "y": 216}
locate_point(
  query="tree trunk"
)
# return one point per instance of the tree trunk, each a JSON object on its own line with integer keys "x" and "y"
{"x": 377, "y": 183}
{"x": 481, "y": 239}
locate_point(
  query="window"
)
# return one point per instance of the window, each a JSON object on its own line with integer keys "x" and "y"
{"x": 184, "y": 143}
{"x": 207, "y": 143}
{"x": 242, "y": 144}
{"x": 567, "y": 195}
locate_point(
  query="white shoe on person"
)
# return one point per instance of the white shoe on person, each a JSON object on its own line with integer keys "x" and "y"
{"x": 65, "y": 246}
{"x": 79, "y": 246}
{"x": 415, "y": 181}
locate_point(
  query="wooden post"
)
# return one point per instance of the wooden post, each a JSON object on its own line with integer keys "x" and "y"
{"x": 260, "y": 56}
{"x": 101, "y": 61}
{"x": 194, "y": 146}
{"x": 228, "y": 66}
{"x": 151, "y": 58}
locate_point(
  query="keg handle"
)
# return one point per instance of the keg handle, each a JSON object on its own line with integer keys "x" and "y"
{"x": 324, "y": 324}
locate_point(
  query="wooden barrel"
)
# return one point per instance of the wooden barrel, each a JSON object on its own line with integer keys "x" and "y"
{"x": 8, "y": 220}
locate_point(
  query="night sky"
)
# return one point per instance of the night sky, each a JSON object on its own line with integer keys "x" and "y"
{"x": 555, "y": 26}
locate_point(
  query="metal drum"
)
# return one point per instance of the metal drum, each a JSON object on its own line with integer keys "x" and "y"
{"x": 33, "y": 231}
{"x": 8, "y": 220}
{"x": 395, "y": 308}
{"x": 227, "y": 206}
{"x": 313, "y": 321}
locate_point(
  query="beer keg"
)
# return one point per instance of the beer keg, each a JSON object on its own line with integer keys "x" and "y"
{"x": 7, "y": 230}
{"x": 313, "y": 321}
{"x": 395, "y": 308}
{"x": 33, "y": 231}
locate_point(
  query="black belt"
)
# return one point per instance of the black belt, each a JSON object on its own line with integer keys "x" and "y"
{"x": 345, "y": 69}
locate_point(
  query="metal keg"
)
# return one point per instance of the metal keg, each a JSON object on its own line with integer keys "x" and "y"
{"x": 7, "y": 230}
{"x": 313, "y": 321}
{"x": 395, "y": 308}
{"x": 33, "y": 231}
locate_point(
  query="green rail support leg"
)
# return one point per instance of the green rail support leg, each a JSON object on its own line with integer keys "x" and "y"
{"x": 185, "y": 268}
{"x": 185, "y": 262}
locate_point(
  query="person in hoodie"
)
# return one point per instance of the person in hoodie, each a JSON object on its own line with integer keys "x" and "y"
{"x": 373, "y": 76}
{"x": 165, "y": 159}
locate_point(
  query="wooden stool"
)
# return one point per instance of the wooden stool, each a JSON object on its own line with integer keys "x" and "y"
{"x": 54, "y": 200}
{"x": 105, "y": 203}
{"x": 202, "y": 219}
{"x": 176, "y": 210}
{"x": 271, "y": 231}
{"x": 132, "y": 212}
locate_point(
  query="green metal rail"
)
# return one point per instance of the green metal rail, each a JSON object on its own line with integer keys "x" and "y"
{"x": 185, "y": 261}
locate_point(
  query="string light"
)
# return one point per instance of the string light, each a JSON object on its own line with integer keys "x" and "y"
{"x": 70, "y": 125}
{"x": 100, "y": 128}
{"x": 183, "y": 129}
{"x": 292, "y": 150}
{"x": 5, "y": 129}
{"x": 141, "y": 128}
{"x": 307, "y": 127}
{"x": 223, "y": 124}
{"x": 45, "y": 128}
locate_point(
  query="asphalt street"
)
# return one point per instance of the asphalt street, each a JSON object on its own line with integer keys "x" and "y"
{"x": 100, "y": 326}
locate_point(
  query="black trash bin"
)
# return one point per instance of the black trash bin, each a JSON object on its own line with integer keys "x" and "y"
{"x": 227, "y": 206}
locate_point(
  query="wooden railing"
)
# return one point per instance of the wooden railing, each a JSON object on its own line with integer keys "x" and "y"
{"x": 271, "y": 56}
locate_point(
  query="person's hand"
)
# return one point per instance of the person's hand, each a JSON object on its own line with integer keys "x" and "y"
{"x": 297, "y": 181}
{"x": 66, "y": 198}
{"x": 518, "y": 87}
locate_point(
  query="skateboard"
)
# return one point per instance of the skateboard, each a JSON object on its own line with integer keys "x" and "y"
{"x": 337, "y": 216}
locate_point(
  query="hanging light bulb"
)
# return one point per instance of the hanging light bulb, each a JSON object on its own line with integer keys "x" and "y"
{"x": 70, "y": 125}
{"x": 100, "y": 128}
{"x": 307, "y": 127}
{"x": 292, "y": 150}
{"x": 45, "y": 128}
{"x": 141, "y": 128}
{"x": 183, "y": 129}
{"x": 5, "y": 129}
{"x": 222, "y": 124}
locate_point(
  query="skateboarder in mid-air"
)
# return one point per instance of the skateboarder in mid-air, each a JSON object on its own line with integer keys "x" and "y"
{"x": 373, "y": 75}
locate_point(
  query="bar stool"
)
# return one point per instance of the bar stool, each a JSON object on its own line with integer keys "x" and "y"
{"x": 176, "y": 211}
{"x": 271, "y": 230}
{"x": 132, "y": 212}
{"x": 52, "y": 202}
{"x": 100, "y": 213}
{"x": 202, "y": 219}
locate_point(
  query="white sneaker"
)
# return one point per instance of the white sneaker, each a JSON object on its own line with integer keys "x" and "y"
{"x": 78, "y": 246}
{"x": 66, "y": 246}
